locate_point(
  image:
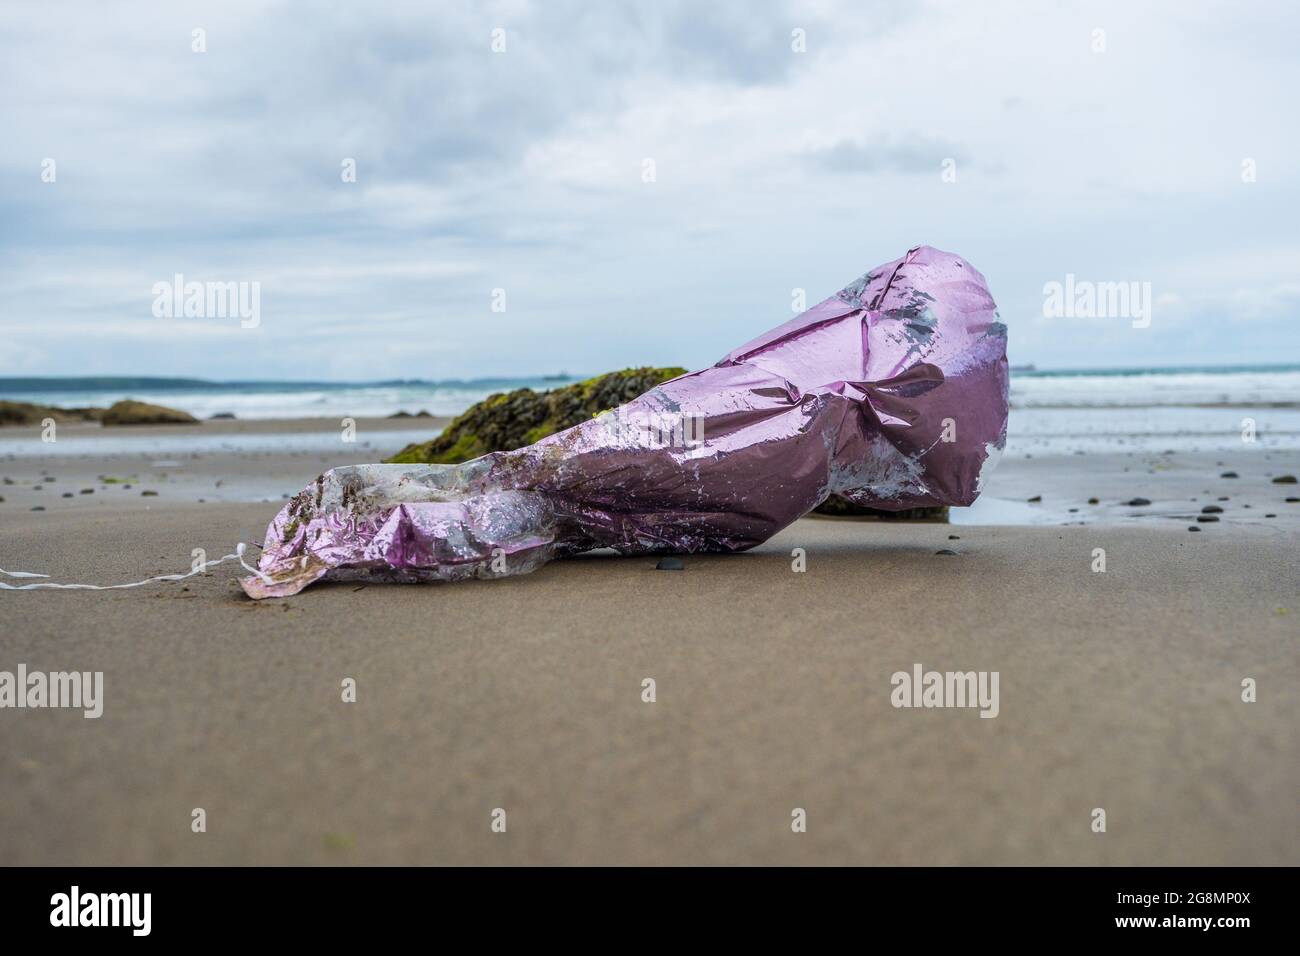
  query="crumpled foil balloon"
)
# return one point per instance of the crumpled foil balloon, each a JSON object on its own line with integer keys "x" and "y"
{"x": 891, "y": 393}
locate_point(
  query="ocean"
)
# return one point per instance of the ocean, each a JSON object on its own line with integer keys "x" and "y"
{"x": 1276, "y": 386}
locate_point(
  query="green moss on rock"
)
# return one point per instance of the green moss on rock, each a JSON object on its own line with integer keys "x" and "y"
{"x": 509, "y": 420}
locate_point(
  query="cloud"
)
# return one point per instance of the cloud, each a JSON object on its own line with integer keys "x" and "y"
{"x": 775, "y": 168}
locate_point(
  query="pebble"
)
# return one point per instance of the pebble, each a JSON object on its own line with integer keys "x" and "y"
{"x": 670, "y": 564}
{"x": 67, "y": 494}
{"x": 1035, "y": 499}
{"x": 1206, "y": 519}
{"x": 1137, "y": 502}
{"x": 1292, "y": 501}
{"x": 87, "y": 491}
{"x": 39, "y": 508}
{"x": 951, "y": 537}
{"x": 1266, "y": 516}
{"x": 946, "y": 551}
{"x": 1094, "y": 501}
{"x": 149, "y": 494}
{"x": 1284, "y": 480}
{"x": 1211, "y": 510}
{"x": 1229, "y": 474}
{"x": 1193, "y": 528}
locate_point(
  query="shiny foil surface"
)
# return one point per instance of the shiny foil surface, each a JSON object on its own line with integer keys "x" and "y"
{"x": 891, "y": 393}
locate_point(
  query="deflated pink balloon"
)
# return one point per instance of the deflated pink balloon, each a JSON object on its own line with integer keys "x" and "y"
{"x": 891, "y": 393}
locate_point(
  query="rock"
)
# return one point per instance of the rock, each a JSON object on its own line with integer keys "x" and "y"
{"x": 1229, "y": 474}
{"x": 128, "y": 412}
{"x": 509, "y": 420}
{"x": 1138, "y": 502}
{"x": 670, "y": 564}
{"x": 1035, "y": 500}
{"x": 148, "y": 494}
{"x": 219, "y": 415}
{"x": 1207, "y": 519}
{"x": 67, "y": 494}
{"x": 1284, "y": 480}
{"x": 1211, "y": 510}
{"x": 25, "y": 413}
{"x": 87, "y": 491}
{"x": 39, "y": 508}
{"x": 1292, "y": 501}
{"x": 1266, "y": 516}
{"x": 954, "y": 537}
{"x": 1193, "y": 528}
{"x": 946, "y": 551}
{"x": 1094, "y": 501}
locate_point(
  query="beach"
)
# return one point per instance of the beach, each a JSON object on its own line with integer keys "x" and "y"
{"x": 1119, "y": 689}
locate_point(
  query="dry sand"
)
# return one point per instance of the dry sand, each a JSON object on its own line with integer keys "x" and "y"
{"x": 1118, "y": 690}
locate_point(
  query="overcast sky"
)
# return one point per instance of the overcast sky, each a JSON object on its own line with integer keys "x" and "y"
{"x": 525, "y": 170}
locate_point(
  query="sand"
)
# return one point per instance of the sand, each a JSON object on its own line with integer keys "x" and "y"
{"x": 1119, "y": 690}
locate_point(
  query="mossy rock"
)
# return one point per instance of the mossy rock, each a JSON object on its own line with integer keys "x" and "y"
{"x": 128, "y": 412}
{"x": 25, "y": 413}
{"x": 509, "y": 420}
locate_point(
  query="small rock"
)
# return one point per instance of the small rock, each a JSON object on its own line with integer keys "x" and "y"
{"x": 1266, "y": 516}
{"x": 670, "y": 564}
{"x": 1211, "y": 510}
{"x": 1094, "y": 501}
{"x": 1193, "y": 528}
{"x": 1229, "y": 474}
{"x": 1138, "y": 502}
{"x": 1207, "y": 519}
{"x": 37, "y": 488}
{"x": 1292, "y": 501}
{"x": 148, "y": 494}
{"x": 1224, "y": 498}
{"x": 67, "y": 494}
{"x": 87, "y": 491}
{"x": 1034, "y": 500}
{"x": 954, "y": 537}
{"x": 1073, "y": 510}
{"x": 1284, "y": 480}
{"x": 39, "y": 508}
{"x": 946, "y": 551}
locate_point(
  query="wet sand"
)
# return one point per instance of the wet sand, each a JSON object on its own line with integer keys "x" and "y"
{"x": 1119, "y": 690}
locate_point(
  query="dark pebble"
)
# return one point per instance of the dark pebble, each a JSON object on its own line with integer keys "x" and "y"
{"x": 1225, "y": 498}
{"x": 1229, "y": 474}
{"x": 1292, "y": 501}
{"x": 1094, "y": 501}
{"x": 67, "y": 494}
{"x": 946, "y": 551}
{"x": 670, "y": 564}
{"x": 87, "y": 491}
{"x": 1266, "y": 516}
{"x": 1284, "y": 480}
{"x": 1035, "y": 499}
{"x": 951, "y": 537}
{"x": 149, "y": 494}
{"x": 1211, "y": 510}
{"x": 1206, "y": 519}
{"x": 1137, "y": 502}
{"x": 1073, "y": 510}
{"x": 37, "y": 488}
{"x": 39, "y": 508}
{"x": 1193, "y": 528}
